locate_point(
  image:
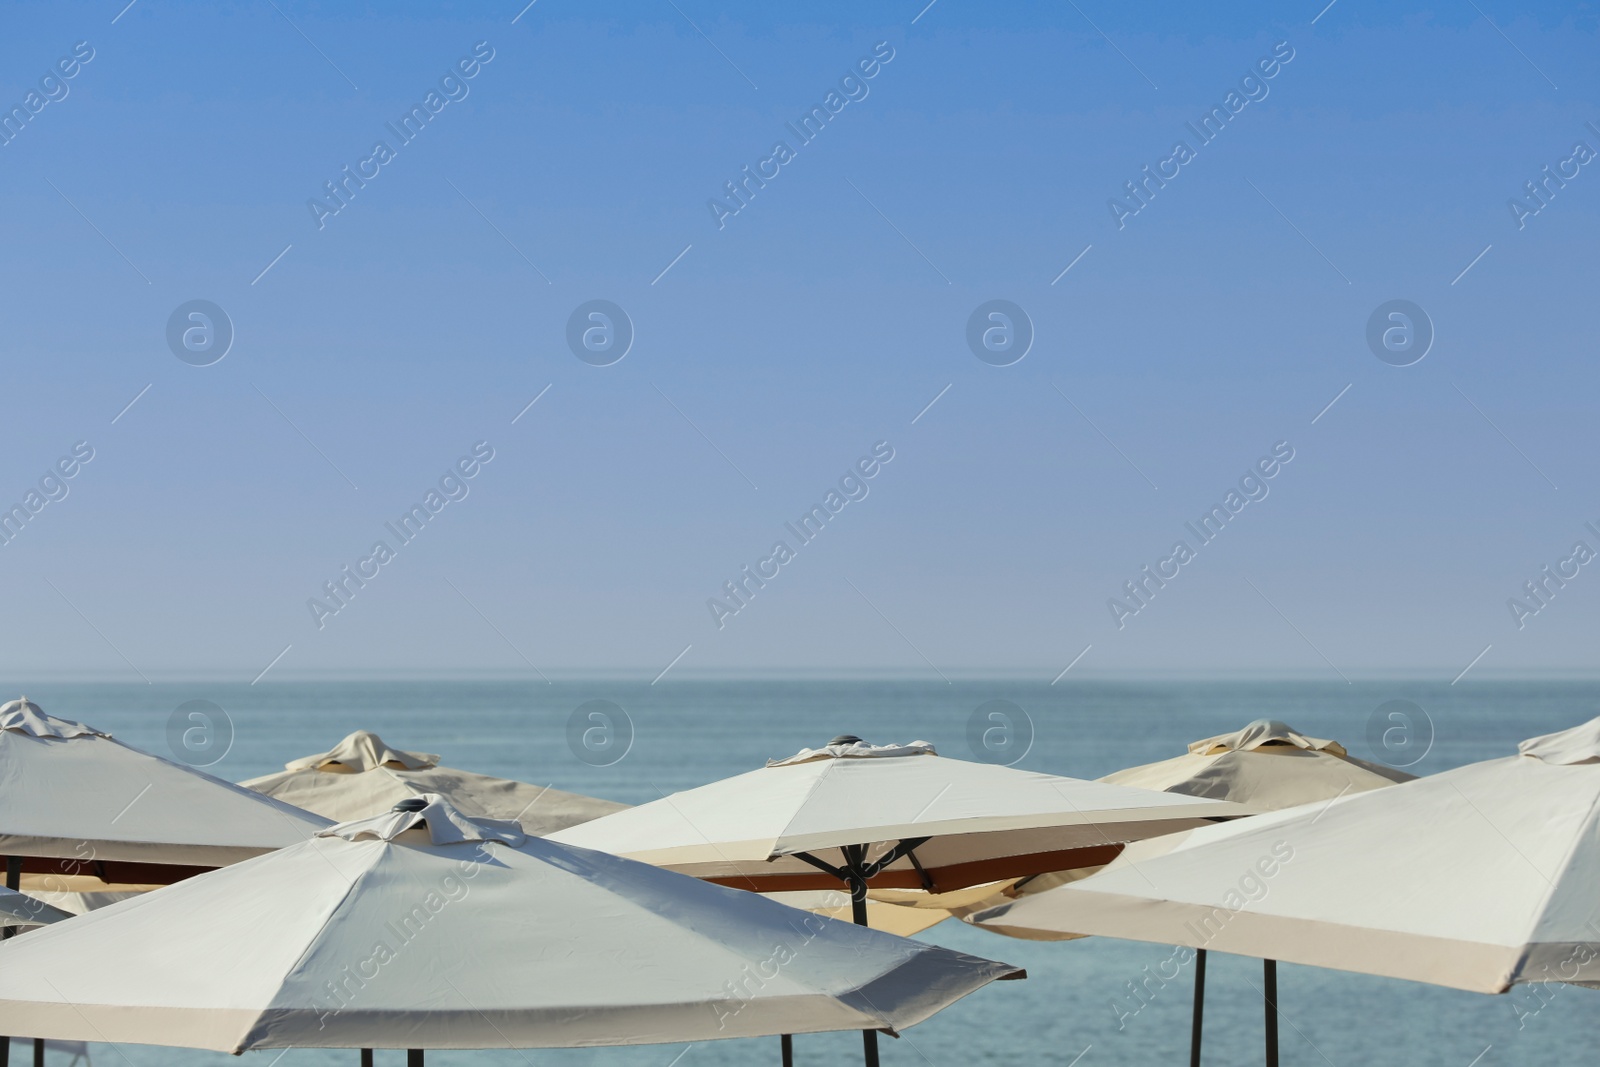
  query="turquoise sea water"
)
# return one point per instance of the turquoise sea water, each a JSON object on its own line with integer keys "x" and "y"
{"x": 688, "y": 732}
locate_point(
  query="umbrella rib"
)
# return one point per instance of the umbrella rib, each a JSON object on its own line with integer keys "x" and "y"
{"x": 888, "y": 858}
{"x": 821, "y": 865}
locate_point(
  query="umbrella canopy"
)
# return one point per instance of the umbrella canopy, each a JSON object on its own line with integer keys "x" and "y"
{"x": 103, "y": 812}
{"x": 362, "y": 776}
{"x": 430, "y": 929}
{"x": 941, "y": 824}
{"x": 1475, "y": 878}
{"x": 19, "y": 909}
{"x": 1266, "y": 766}
{"x": 894, "y": 917}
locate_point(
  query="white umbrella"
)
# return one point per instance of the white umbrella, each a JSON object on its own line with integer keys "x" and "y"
{"x": 425, "y": 928}
{"x": 107, "y": 812}
{"x": 1476, "y": 878}
{"x": 887, "y": 817}
{"x": 1266, "y": 766}
{"x": 918, "y": 821}
{"x": 362, "y": 776}
{"x": 82, "y": 812}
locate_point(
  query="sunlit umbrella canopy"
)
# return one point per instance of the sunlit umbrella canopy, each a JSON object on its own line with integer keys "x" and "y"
{"x": 87, "y": 811}
{"x": 430, "y": 929}
{"x": 363, "y": 776}
{"x": 1476, "y": 878}
{"x": 1266, "y": 766}
{"x": 925, "y": 821}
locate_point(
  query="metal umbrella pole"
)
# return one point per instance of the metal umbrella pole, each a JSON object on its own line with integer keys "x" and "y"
{"x": 854, "y": 873}
{"x": 1199, "y": 1006}
{"x": 13, "y": 881}
{"x": 1269, "y": 976}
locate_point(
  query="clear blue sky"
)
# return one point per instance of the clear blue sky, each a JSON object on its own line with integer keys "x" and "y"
{"x": 777, "y": 348}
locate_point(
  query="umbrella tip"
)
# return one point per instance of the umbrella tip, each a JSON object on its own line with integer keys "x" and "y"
{"x": 411, "y": 804}
{"x": 845, "y": 739}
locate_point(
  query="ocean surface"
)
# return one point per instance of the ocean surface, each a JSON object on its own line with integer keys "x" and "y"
{"x": 680, "y": 733}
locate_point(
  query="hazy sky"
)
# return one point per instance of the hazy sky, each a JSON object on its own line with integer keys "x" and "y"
{"x": 574, "y": 153}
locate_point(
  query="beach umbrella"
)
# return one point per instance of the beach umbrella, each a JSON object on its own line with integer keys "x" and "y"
{"x": 1266, "y": 766}
{"x": 79, "y": 808}
{"x": 18, "y": 911}
{"x": 892, "y": 817}
{"x": 362, "y": 776}
{"x": 82, "y": 812}
{"x": 426, "y": 928}
{"x": 1477, "y": 878}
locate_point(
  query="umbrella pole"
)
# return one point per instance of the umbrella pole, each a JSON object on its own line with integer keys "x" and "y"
{"x": 38, "y": 1052}
{"x": 366, "y": 1057}
{"x": 853, "y": 857}
{"x": 1199, "y": 1006}
{"x": 13, "y": 881}
{"x": 414, "y": 1057}
{"x": 788, "y": 1050}
{"x": 1269, "y": 977}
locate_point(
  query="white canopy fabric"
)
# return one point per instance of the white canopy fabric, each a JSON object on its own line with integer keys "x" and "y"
{"x": 18, "y": 909}
{"x": 363, "y": 776}
{"x": 1475, "y": 878}
{"x": 984, "y": 822}
{"x": 74, "y": 793}
{"x": 429, "y": 929}
{"x": 1266, "y": 766}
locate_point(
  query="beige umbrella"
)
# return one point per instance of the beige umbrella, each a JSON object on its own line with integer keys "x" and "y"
{"x": 362, "y": 776}
{"x": 1267, "y": 766}
{"x": 887, "y": 817}
{"x": 1477, "y": 878}
{"x": 426, "y": 928}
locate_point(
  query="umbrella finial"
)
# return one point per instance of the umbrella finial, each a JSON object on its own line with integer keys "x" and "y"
{"x": 845, "y": 739}
{"x": 411, "y": 804}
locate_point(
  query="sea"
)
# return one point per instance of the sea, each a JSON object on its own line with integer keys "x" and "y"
{"x": 629, "y": 740}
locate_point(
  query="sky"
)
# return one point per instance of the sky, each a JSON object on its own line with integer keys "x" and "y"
{"x": 362, "y": 346}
